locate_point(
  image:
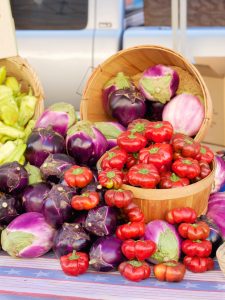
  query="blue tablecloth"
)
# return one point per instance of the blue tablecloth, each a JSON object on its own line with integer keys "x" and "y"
{"x": 42, "y": 278}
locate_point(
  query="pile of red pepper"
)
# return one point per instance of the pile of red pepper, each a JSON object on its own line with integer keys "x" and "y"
{"x": 150, "y": 155}
{"x": 195, "y": 246}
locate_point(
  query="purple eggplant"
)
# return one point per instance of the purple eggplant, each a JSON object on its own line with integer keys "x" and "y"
{"x": 80, "y": 218}
{"x": 154, "y": 110}
{"x": 13, "y": 177}
{"x": 101, "y": 221}
{"x": 95, "y": 187}
{"x": 55, "y": 165}
{"x": 60, "y": 116}
{"x": 127, "y": 105}
{"x": 41, "y": 143}
{"x": 105, "y": 254}
{"x": 85, "y": 143}
{"x": 33, "y": 196}
{"x": 70, "y": 237}
{"x": 57, "y": 208}
{"x": 8, "y": 208}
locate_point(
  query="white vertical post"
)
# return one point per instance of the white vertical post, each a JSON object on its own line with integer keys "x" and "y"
{"x": 183, "y": 26}
{"x": 8, "y": 46}
{"x": 174, "y": 21}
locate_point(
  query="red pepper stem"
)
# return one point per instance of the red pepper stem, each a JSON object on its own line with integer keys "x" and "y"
{"x": 154, "y": 150}
{"x": 159, "y": 125}
{"x": 110, "y": 174}
{"x": 174, "y": 177}
{"x": 135, "y": 263}
{"x": 77, "y": 171}
{"x": 73, "y": 256}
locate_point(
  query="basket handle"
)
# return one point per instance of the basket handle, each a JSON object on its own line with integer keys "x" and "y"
{"x": 8, "y": 46}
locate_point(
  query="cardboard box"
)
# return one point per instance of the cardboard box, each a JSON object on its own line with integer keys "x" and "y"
{"x": 212, "y": 70}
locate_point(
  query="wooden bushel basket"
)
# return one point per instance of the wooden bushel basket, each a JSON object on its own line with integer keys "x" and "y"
{"x": 15, "y": 65}
{"x": 154, "y": 202}
{"x": 133, "y": 61}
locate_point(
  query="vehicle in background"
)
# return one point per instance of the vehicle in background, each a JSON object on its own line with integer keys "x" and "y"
{"x": 65, "y": 57}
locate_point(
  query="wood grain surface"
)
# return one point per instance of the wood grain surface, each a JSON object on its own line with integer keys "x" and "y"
{"x": 200, "y": 13}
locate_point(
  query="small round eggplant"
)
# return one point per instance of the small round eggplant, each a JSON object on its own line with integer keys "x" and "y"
{"x": 101, "y": 221}
{"x": 8, "y": 209}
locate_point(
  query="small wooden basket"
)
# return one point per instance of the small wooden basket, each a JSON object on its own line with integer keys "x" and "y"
{"x": 220, "y": 254}
{"x": 155, "y": 203}
{"x": 15, "y": 65}
{"x": 133, "y": 61}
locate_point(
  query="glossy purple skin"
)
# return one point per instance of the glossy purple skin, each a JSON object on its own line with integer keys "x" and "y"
{"x": 101, "y": 221}
{"x": 154, "y": 110}
{"x": 70, "y": 237}
{"x": 33, "y": 196}
{"x": 8, "y": 210}
{"x": 86, "y": 150}
{"x": 55, "y": 165}
{"x": 41, "y": 143}
{"x": 58, "y": 120}
{"x": 81, "y": 218}
{"x": 219, "y": 180}
{"x": 13, "y": 177}
{"x": 127, "y": 105}
{"x": 57, "y": 208}
{"x": 105, "y": 254}
{"x": 35, "y": 224}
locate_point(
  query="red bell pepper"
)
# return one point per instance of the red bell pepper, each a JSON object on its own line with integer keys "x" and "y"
{"x": 75, "y": 263}
{"x": 205, "y": 154}
{"x": 135, "y": 270}
{"x": 143, "y": 175}
{"x": 131, "y": 141}
{"x": 160, "y": 155}
{"x": 141, "y": 249}
{"x": 138, "y": 125}
{"x": 111, "y": 178}
{"x": 186, "y": 167}
{"x": 197, "y": 248}
{"x": 171, "y": 271}
{"x": 130, "y": 230}
{"x": 181, "y": 215}
{"x": 205, "y": 170}
{"x": 77, "y": 176}
{"x": 85, "y": 201}
{"x": 132, "y": 159}
{"x": 159, "y": 132}
{"x": 196, "y": 231}
{"x": 119, "y": 198}
{"x": 185, "y": 145}
{"x": 198, "y": 264}
{"x": 134, "y": 213}
{"x": 170, "y": 180}
{"x": 114, "y": 159}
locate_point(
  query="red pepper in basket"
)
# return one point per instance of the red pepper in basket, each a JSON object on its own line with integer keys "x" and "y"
{"x": 198, "y": 264}
{"x": 138, "y": 125}
{"x": 185, "y": 145}
{"x": 130, "y": 230}
{"x": 131, "y": 141}
{"x": 114, "y": 159}
{"x": 134, "y": 213}
{"x": 196, "y": 231}
{"x": 134, "y": 270}
{"x": 170, "y": 180}
{"x": 205, "y": 154}
{"x": 141, "y": 249}
{"x": 181, "y": 215}
{"x": 132, "y": 159}
{"x": 171, "y": 271}
{"x": 159, "y": 132}
{"x": 85, "y": 201}
{"x": 75, "y": 263}
{"x": 186, "y": 167}
{"x": 197, "y": 248}
{"x": 111, "y": 178}
{"x": 143, "y": 175}
{"x": 205, "y": 170}
{"x": 77, "y": 176}
{"x": 119, "y": 198}
{"x": 160, "y": 155}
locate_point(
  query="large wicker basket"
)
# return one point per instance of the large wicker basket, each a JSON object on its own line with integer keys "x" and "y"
{"x": 132, "y": 61}
{"x": 15, "y": 65}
